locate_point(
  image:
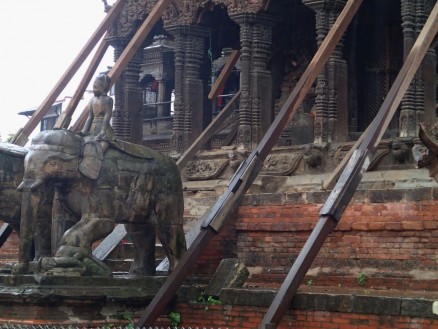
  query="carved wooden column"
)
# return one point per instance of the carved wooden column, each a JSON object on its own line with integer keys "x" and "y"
{"x": 178, "y": 109}
{"x": 189, "y": 86}
{"x": 426, "y": 94}
{"x": 123, "y": 89}
{"x": 127, "y": 122}
{"x": 420, "y": 100}
{"x": 331, "y": 104}
{"x": 261, "y": 79}
{"x": 256, "y": 105}
{"x": 244, "y": 130}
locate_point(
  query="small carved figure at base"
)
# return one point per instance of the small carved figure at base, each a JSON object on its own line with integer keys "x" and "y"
{"x": 78, "y": 265}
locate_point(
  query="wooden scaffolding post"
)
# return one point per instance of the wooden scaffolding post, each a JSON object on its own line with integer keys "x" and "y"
{"x": 342, "y": 193}
{"x": 215, "y": 218}
{"x": 23, "y": 134}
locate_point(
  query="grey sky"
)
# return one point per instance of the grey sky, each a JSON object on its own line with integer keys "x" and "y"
{"x": 40, "y": 39}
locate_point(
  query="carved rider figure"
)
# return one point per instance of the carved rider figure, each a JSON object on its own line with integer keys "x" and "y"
{"x": 97, "y": 128}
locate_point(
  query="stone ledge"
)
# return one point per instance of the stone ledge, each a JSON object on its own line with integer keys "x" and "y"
{"x": 138, "y": 292}
{"x": 413, "y": 304}
{"x": 376, "y": 187}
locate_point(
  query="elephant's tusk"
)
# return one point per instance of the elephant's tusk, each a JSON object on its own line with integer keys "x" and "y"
{"x": 21, "y": 186}
{"x": 36, "y": 184}
{"x": 30, "y": 184}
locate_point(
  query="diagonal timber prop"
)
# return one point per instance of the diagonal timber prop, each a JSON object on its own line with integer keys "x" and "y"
{"x": 23, "y": 134}
{"x": 216, "y": 217}
{"x": 341, "y": 195}
{"x": 225, "y": 73}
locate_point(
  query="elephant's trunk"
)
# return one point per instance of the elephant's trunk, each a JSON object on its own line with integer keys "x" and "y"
{"x": 29, "y": 208}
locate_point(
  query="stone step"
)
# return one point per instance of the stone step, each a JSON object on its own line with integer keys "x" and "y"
{"x": 123, "y": 265}
{"x": 125, "y": 250}
{"x": 121, "y": 258}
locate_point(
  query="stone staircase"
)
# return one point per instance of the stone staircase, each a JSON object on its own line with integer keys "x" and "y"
{"x": 121, "y": 258}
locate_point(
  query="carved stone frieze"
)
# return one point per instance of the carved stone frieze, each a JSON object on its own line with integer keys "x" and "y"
{"x": 205, "y": 169}
{"x": 281, "y": 164}
{"x": 235, "y": 6}
{"x": 181, "y": 12}
{"x": 134, "y": 11}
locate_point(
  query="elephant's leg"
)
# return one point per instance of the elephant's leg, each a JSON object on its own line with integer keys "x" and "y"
{"x": 62, "y": 220}
{"x": 43, "y": 226}
{"x": 170, "y": 227}
{"x": 143, "y": 238}
{"x": 29, "y": 207}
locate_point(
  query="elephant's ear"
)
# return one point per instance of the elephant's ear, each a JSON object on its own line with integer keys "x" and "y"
{"x": 92, "y": 157}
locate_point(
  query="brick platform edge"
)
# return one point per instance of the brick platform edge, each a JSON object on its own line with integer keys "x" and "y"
{"x": 112, "y": 304}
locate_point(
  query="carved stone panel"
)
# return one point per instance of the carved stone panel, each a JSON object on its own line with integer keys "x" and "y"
{"x": 205, "y": 169}
{"x": 281, "y": 164}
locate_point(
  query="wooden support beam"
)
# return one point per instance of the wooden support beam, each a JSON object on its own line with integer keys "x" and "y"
{"x": 23, "y": 134}
{"x": 65, "y": 117}
{"x": 225, "y": 73}
{"x": 207, "y": 133}
{"x": 129, "y": 52}
{"x": 340, "y": 197}
{"x": 216, "y": 217}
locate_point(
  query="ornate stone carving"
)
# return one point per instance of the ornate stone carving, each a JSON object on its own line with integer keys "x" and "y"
{"x": 400, "y": 152}
{"x": 235, "y": 6}
{"x": 314, "y": 155}
{"x": 205, "y": 169}
{"x": 281, "y": 164}
{"x": 133, "y": 12}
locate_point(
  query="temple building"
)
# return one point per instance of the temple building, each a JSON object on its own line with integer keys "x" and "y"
{"x": 161, "y": 100}
{"x": 378, "y": 268}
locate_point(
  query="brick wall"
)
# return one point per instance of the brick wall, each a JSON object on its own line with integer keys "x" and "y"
{"x": 394, "y": 244}
{"x": 218, "y": 316}
{"x": 391, "y": 239}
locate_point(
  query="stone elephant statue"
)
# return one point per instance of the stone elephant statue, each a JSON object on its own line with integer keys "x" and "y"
{"x": 132, "y": 184}
{"x": 11, "y": 174}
